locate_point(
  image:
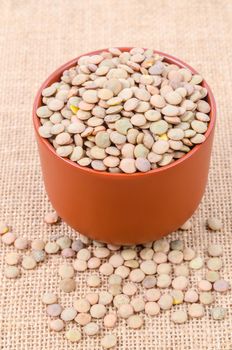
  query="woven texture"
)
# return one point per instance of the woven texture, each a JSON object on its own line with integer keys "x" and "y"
{"x": 35, "y": 38}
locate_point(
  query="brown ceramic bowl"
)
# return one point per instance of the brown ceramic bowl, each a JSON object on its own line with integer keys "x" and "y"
{"x": 125, "y": 208}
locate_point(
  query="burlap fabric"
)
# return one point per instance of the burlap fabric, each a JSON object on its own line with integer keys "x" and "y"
{"x": 35, "y": 38}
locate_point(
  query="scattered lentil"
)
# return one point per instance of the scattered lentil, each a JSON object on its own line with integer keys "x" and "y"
{"x": 221, "y": 286}
{"x": 214, "y": 264}
{"x": 218, "y": 313}
{"x": 68, "y": 314}
{"x": 196, "y": 310}
{"x": 109, "y": 341}
{"x": 51, "y": 218}
{"x": 91, "y": 328}
{"x": 191, "y": 296}
{"x": 73, "y": 335}
{"x": 135, "y": 321}
{"x": 56, "y": 325}
{"x": 49, "y": 298}
{"x": 54, "y": 310}
{"x": 12, "y": 272}
{"x": 110, "y": 320}
{"x": 179, "y": 316}
{"x": 28, "y": 262}
{"x": 8, "y": 238}
{"x": 214, "y": 224}
{"x": 206, "y": 298}
{"x": 93, "y": 281}
{"x": 67, "y": 285}
{"x": 12, "y": 258}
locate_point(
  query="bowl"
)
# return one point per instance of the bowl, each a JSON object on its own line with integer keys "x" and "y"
{"x": 125, "y": 208}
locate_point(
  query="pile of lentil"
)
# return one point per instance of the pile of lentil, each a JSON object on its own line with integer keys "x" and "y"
{"x": 124, "y": 112}
{"x": 146, "y": 279}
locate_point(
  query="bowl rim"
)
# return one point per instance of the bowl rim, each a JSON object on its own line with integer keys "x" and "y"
{"x": 169, "y": 59}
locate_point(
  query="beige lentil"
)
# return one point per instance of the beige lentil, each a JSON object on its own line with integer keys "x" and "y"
{"x": 179, "y": 316}
{"x": 161, "y": 246}
{"x": 91, "y": 328}
{"x": 136, "y": 275}
{"x": 122, "y": 271}
{"x": 56, "y": 325}
{"x": 51, "y": 218}
{"x": 51, "y": 248}
{"x": 11, "y": 272}
{"x": 164, "y": 268}
{"x": 109, "y": 341}
{"x": 68, "y": 314}
{"x": 188, "y": 253}
{"x": 8, "y": 238}
{"x": 21, "y": 243}
{"x": 105, "y": 298}
{"x": 218, "y": 313}
{"x": 191, "y": 296}
{"x": 93, "y": 281}
{"x": 148, "y": 267}
{"x": 98, "y": 311}
{"x": 67, "y": 285}
{"x": 212, "y": 276}
{"x": 115, "y": 279}
{"x": 206, "y": 298}
{"x": 165, "y": 302}
{"x": 152, "y": 294}
{"x": 93, "y": 263}
{"x": 186, "y": 226}
{"x": 28, "y": 262}
{"x": 196, "y": 310}
{"x": 92, "y": 298}
{"x": 129, "y": 288}
{"x": 120, "y": 299}
{"x": 163, "y": 281}
{"x": 214, "y": 224}
{"x": 214, "y": 264}
{"x": 175, "y": 256}
{"x": 180, "y": 283}
{"x": 80, "y": 265}
{"x": 110, "y": 320}
{"x": 125, "y": 310}
{"x": 135, "y": 321}
{"x": 12, "y": 258}
{"x": 54, "y": 310}
{"x": 138, "y": 304}
{"x": 66, "y": 271}
{"x": 215, "y": 250}
{"x": 49, "y": 298}
{"x": 152, "y": 308}
{"x": 196, "y": 263}
{"x": 73, "y": 335}
{"x": 221, "y": 286}
{"x": 83, "y": 318}
{"x": 38, "y": 244}
{"x": 106, "y": 269}
{"x": 204, "y": 286}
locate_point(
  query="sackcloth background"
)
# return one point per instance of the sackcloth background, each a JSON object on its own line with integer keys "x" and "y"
{"x": 36, "y": 37}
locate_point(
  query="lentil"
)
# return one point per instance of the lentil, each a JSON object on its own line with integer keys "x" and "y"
{"x": 179, "y": 316}
{"x": 73, "y": 335}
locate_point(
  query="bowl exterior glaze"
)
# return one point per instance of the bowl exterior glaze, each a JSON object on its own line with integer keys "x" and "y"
{"x": 122, "y": 208}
